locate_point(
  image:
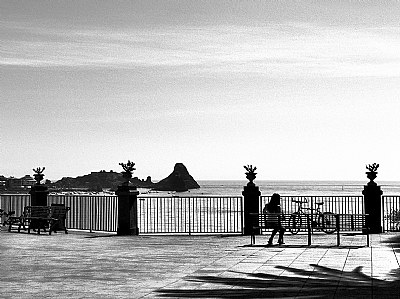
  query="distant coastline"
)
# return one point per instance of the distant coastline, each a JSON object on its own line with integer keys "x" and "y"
{"x": 285, "y": 188}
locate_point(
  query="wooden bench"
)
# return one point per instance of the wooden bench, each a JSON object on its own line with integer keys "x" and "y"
{"x": 344, "y": 222}
{"x": 267, "y": 222}
{"x": 59, "y": 212}
{"x": 352, "y": 223}
{"x": 40, "y": 217}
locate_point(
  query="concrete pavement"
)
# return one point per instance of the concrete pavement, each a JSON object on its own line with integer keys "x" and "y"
{"x": 96, "y": 265}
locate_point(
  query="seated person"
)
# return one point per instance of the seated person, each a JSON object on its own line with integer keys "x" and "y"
{"x": 274, "y": 206}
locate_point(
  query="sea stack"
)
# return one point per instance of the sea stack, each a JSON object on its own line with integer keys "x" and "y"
{"x": 179, "y": 180}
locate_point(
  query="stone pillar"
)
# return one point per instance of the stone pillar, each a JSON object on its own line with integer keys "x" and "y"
{"x": 251, "y": 194}
{"x": 373, "y": 205}
{"x": 39, "y": 195}
{"x": 127, "y": 210}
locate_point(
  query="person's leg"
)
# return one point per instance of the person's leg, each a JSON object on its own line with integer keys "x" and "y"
{"x": 281, "y": 232}
{"x": 272, "y": 235}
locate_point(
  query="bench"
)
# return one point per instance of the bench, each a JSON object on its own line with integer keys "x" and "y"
{"x": 262, "y": 222}
{"x": 352, "y": 223}
{"x": 40, "y": 217}
{"x": 344, "y": 222}
{"x": 59, "y": 212}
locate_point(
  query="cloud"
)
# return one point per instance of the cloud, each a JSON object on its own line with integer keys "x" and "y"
{"x": 282, "y": 50}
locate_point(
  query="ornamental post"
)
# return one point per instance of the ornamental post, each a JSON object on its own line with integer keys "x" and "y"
{"x": 251, "y": 195}
{"x": 38, "y": 191}
{"x": 373, "y": 201}
{"x": 127, "y": 203}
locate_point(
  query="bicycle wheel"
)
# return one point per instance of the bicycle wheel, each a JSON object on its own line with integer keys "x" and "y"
{"x": 328, "y": 222}
{"x": 295, "y": 223}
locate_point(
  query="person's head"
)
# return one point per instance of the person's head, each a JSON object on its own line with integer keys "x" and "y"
{"x": 275, "y": 199}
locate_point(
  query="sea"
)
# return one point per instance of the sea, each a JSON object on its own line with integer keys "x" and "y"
{"x": 284, "y": 188}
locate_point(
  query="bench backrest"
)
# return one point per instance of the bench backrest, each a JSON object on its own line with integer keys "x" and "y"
{"x": 352, "y": 222}
{"x": 271, "y": 220}
{"x": 59, "y": 211}
{"x": 37, "y": 211}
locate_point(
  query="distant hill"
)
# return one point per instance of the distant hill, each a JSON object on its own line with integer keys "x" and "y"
{"x": 178, "y": 180}
{"x": 96, "y": 181}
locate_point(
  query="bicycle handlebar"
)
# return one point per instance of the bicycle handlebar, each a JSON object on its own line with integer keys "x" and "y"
{"x": 306, "y": 201}
{"x": 300, "y": 201}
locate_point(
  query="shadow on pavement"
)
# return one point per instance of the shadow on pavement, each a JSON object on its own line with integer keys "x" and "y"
{"x": 395, "y": 242}
{"x": 305, "y": 246}
{"x": 322, "y": 282}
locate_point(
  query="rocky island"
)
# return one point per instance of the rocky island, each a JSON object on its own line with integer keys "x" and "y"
{"x": 179, "y": 180}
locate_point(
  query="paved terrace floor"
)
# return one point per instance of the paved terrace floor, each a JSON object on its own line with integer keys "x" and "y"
{"x": 87, "y": 265}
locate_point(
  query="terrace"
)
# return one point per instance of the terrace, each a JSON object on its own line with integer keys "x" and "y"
{"x": 202, "y": 252}
{"x": 103, "y": 265}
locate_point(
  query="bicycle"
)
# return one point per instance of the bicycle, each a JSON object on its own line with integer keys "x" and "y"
{"x": 5, "y": 222}
{"x": 325, "y": 221}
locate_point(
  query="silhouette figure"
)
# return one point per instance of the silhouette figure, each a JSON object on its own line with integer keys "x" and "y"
{"x": 274, "y": 206}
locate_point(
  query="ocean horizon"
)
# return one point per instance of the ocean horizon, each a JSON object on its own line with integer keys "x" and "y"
{"x": 283, "y": 187}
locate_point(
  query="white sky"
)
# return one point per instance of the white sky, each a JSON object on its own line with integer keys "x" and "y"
{"x": 301, "y": 89}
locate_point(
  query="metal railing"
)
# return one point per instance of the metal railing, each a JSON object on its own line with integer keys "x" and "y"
{"x": 391, "y": 215}
{"x": 14, "y": 202}
{"x": 93, "y": 213}
{"x": 211, "y": 214}
{"x": 335, "y": 204}
{"x": 186, "y": 215}
{"x": 191, "y": 215}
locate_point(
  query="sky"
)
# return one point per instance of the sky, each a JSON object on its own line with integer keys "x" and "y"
{"x": 303, "y": 90}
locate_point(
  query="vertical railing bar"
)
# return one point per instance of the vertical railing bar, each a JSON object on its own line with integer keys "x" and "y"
{"x": 215, "y": 216}
{"x": 176, "y": 215}
{"x": 221, "y": 220}
{"x": 166, "y": 216}
{"x": 105, "y": 213}
{"x": 383, "y": 215}
{"x": 171, "y": 214}
{"x": 215, "y": 228}
{"x": 230, "y": 215}
{"x": 234, "y": 216}
{"x": 149, "y": 213}
{"x": 189, "y": 214}
{"x": 209, "y": 214}
{"x": 91, "y": 213}
{"x": 225, "y": 214}
{"x": 156, "y": 229}
{"x": 148, "y": 207}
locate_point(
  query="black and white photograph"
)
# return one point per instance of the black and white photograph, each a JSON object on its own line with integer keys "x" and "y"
{"x": 200, "y": 149}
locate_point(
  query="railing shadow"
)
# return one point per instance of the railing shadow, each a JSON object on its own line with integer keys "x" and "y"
{"x": 322, "y": 282}
{"x": 394, "y": 241}
{"x": 307, "y": 246}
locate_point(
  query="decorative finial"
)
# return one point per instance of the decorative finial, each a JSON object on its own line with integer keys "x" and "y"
{"x": 250, "y": 173}
{"x": 371, "y": 174}
{"x": 38, "y": 174}
{"x": 128, "y": 170}
{"x": 373, "y": 167}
